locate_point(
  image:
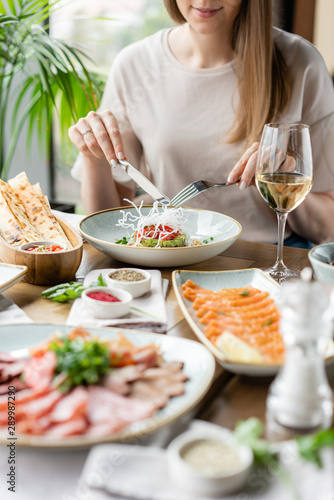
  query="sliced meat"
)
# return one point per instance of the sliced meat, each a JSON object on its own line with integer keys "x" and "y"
{"x": 39, "y": 406}
{"x": 34, "y": 426}
{"x": 145, "y": 390}
{"x": 104, "y": 404}
{"x": 118, "y": 380}
{"x": 6, "y": 358}
{"x": 15, "y": 382}
{"x": 70, "y": 428}
{"x": 70, "y": 407}
{"x": 11, "y": 370}
{"x": 173, "y": 366}
{"x": 147, "y": 356}
{"x": 114, "y": 424}
{"x": 40, "y": 370}
{"x": 164, "y": 373}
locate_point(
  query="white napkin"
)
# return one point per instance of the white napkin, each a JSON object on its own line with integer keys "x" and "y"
{"x": 130, "y": 471}
{"x": 152, "y": 304}
{"x": 11, "y": 313}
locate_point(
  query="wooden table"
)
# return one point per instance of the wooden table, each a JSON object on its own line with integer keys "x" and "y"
{"x": 231, "y": 397}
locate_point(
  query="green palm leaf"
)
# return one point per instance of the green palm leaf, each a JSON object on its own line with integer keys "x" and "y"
{"x": 54, "y": 78}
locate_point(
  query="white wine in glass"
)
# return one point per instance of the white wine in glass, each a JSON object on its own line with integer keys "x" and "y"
{"x": 284, "y": 176}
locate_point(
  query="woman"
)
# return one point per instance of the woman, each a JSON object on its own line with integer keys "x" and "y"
{"x": 187, "y": 102}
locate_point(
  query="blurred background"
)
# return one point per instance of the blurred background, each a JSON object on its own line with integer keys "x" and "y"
{"x": 101, "y": 28}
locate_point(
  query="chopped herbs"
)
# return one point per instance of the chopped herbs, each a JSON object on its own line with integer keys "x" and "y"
{"x": 268, "y": 322}
{"x": 123, "y": 241}
{"x": 64, "y": 292}
{"x": 245, "y": 293}
{"x": 84, "y": 362}
{"x": 99, "y": 282}
{"x": 208, "y": 240}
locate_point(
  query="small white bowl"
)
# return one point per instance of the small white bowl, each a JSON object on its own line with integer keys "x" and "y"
{"x": 196, "y": 481}
{"x": 30, "y": 244}
{"x": 136, "y": 288}
{"x": 321, "y": 257}
{"x": 108, "y": 310}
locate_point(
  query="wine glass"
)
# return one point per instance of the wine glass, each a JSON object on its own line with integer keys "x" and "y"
{"x": 284, "y": 177}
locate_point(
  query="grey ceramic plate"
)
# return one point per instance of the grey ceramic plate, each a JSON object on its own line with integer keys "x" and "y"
{"x": 216, "y": 281}
{"x": 10, "y": 274}
{"x": 198, "y": 362}
{"x": 101, "y": 231}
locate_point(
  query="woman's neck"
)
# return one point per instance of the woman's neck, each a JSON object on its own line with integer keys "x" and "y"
{"x": 200, "y": 50}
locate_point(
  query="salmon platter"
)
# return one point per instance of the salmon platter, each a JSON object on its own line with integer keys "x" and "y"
{"x": 236, "y": 315}
{"x": 83, "y": 386}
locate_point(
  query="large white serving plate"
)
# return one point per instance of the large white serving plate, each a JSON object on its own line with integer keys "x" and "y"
{"x": 100, "y": 230}
{"x": 228, "y": 279}
{"x": 198, "y": 362}
{"x": 10, "y": 274}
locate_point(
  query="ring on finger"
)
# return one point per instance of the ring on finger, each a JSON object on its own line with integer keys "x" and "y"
{"x": 86, "y": 131}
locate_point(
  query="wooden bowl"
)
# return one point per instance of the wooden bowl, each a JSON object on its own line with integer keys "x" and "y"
{"x": 47, "y": 268}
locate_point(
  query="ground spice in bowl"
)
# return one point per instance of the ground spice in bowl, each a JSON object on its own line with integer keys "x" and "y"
{"x": 127, "y": 275}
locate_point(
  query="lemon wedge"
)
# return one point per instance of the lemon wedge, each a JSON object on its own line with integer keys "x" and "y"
{"x": 235, "y": 349}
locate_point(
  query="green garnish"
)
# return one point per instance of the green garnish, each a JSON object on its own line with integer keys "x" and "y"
{"x": 123, "y": 241}
{"x": 99, "y": 282}
{"x": 309, "y": 446}
{"x": 245, "y": 293}
{"x": 64, "y": 292}
{"x": 83, "y": 362}
{"x": 268, "y": 322}
{"x": 208, "y": 240}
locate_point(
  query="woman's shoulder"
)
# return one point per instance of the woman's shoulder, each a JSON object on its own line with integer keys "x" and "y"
{"x": 297, "y": 49}
{"x": 142, "y": 50}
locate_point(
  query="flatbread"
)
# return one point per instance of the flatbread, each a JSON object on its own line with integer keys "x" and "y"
{"x": 47, "y": 226}
{"x": 10, "y": 228}
{"x": 30, "y": 232}
{"x": 48, "y": 211}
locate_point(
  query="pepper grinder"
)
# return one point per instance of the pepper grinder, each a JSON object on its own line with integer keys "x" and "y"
{"x": 300, "y": 397}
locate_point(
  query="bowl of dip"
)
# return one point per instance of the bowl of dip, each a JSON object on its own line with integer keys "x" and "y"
{"x": 107, "y": 303}
{"x": 135, "y": 281}
{"x": 209, "y": 462}
{"x": 43, "y": 247}
{"x": 322, "y": 261}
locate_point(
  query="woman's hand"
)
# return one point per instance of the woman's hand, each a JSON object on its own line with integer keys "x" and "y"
{"x": 97, "y": 136}
{"x": 245, "y": 169}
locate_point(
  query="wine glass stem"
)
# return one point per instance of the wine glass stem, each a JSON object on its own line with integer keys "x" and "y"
{"x": 281, "y": 218}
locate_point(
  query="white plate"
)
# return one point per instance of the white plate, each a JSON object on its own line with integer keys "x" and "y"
{"x": 198, "y": 362}
{"x": 101, "y": 231}
{"x": 227, "y": 279}
{"x": 10, "y": 274}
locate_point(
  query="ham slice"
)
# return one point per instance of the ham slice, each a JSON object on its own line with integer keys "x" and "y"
{"x": 72, "y": 406}
{"x": 15, "y": 382}
{"x": 70, "y": 428}
{"x": 39, "y": 406}
{"x": 6, "y": 358}
{"x": 11, "y": 370}
{"x": 39, "y": 371}
{"x": 104, "y": 406}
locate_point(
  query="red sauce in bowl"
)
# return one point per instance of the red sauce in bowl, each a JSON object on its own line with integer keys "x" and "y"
{"x": 45, "y": 248}
{"x": 103, "y": 296}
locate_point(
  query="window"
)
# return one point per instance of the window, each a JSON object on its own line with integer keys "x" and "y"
{"x": 101, "y": 28}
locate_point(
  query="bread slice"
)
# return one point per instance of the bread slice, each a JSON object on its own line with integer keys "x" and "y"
{"x": 10, "y": 229}
{"x": 30, "y": 232}
{"x": 48, "y": 226}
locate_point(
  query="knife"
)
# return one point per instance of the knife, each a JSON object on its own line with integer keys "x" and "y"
{"x": 144, "y": 183}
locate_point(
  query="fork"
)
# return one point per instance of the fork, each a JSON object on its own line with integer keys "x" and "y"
{"x": 195, "y": 188}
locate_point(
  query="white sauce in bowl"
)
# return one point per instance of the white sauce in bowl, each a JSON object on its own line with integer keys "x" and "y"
{"x": 211, "y": 457}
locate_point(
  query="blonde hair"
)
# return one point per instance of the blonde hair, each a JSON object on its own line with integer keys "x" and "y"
{"x": 264, "y": 80}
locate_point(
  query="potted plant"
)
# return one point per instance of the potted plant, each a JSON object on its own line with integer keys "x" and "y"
{"x": 52, "y": 77}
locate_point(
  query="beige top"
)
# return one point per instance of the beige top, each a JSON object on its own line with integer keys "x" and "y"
{"x": 173, "y": 118}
